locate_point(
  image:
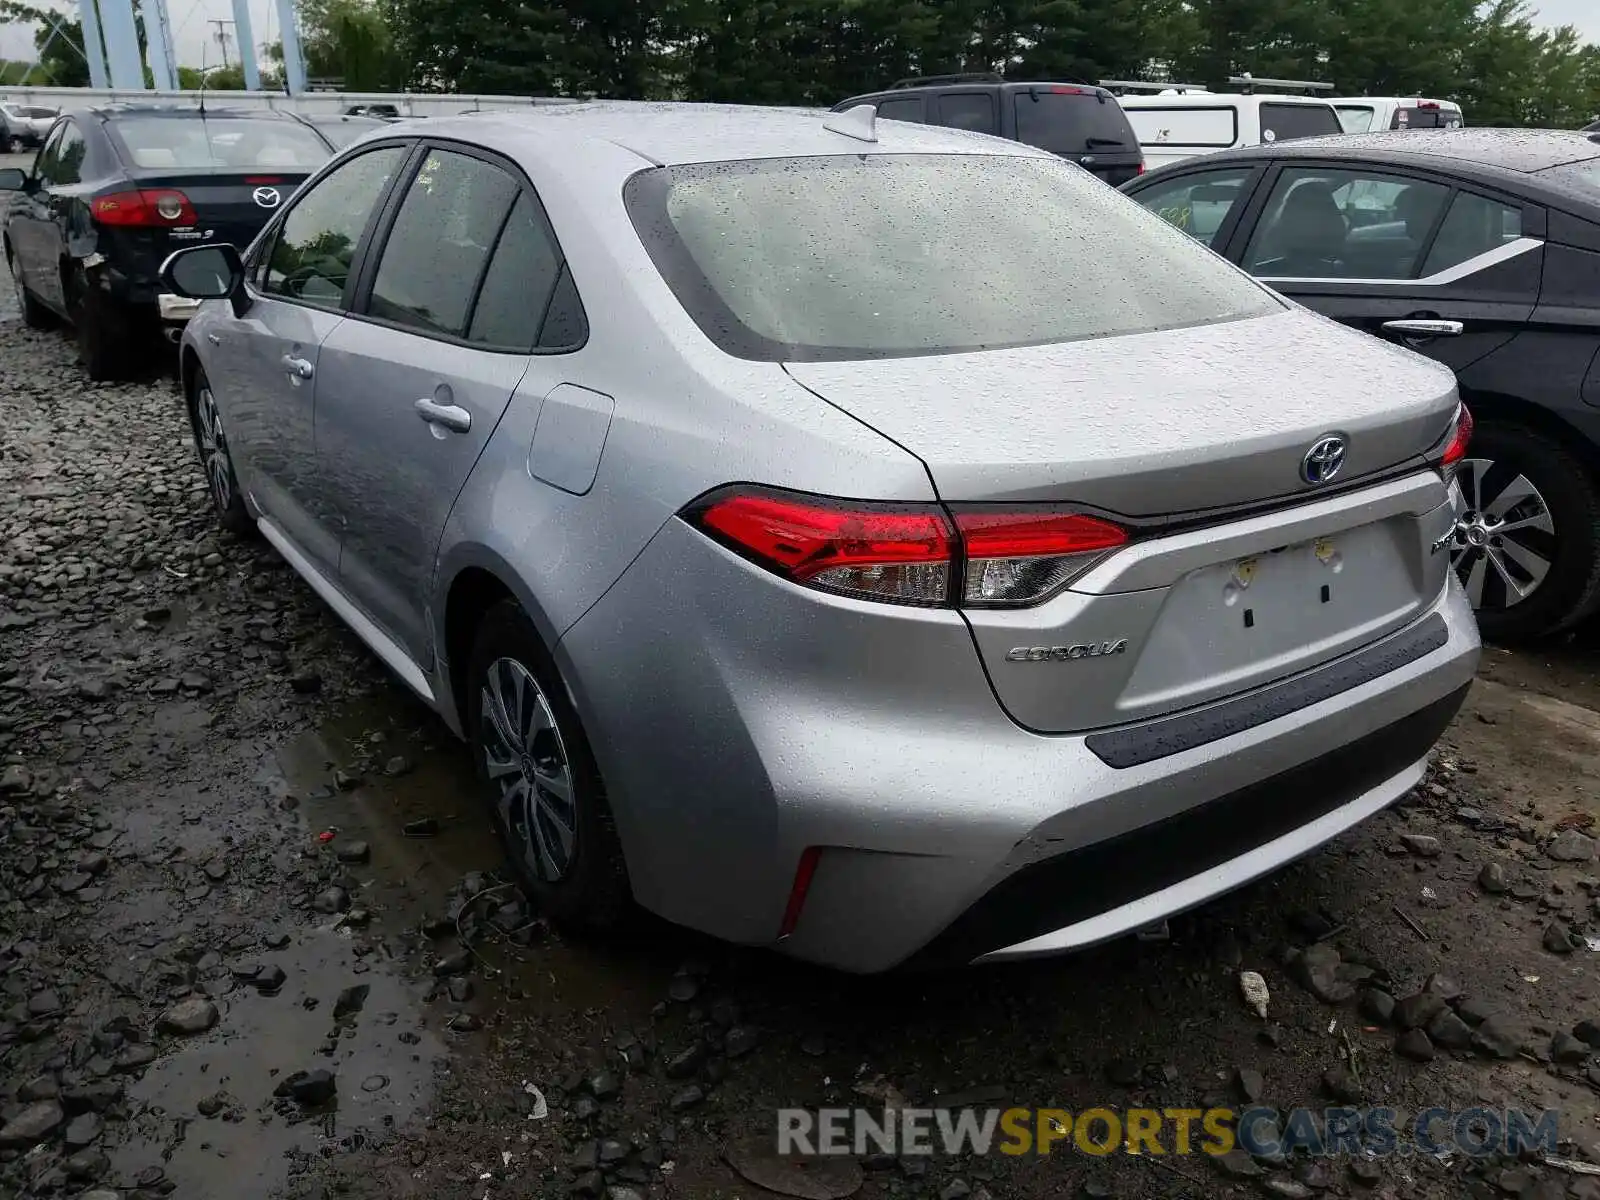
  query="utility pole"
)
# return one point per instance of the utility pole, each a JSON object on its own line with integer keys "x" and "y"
{"x": 222, "y": 39}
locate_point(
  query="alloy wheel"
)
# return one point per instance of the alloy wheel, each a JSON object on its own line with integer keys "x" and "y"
{"x": 1504, "y": 538}
{"x": 214, "y": 449}
{"x": 526, "y": 760}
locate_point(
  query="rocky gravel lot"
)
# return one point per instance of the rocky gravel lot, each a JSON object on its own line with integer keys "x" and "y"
{"x": 254, "y": 940}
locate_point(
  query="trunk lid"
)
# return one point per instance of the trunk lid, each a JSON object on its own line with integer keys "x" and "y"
{"x": 1157, "y": 425}
{"x": 227, "y": 208}
{"x": 1149, "y": 424}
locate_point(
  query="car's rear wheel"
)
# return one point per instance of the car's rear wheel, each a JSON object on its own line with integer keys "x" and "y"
{"x": 532, "y": 753}
{"x": 102, "y": 333}
{"x": 211, "y": 444}
{"x": 34, "y": 314}
{"x": 15, "y": 145}
{"x": 1527, "y": 545}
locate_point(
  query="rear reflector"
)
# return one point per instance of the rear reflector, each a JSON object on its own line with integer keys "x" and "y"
{"x": 1022, "y": 557}
{"x": 1006, "y": 555}
{"x": 896, "y": 552}
{"x": 797, "y": 893}
{"x": 147, "y": 208}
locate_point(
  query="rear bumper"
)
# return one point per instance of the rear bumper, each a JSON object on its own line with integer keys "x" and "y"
{"x": 739, "y": 720}
{"x": 176, "y": 310}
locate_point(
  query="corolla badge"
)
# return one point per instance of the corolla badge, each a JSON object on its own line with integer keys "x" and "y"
{"x": 1324, "y": 460}
{"x": 266, "y": 197}
{"x": 1066, "y": 653}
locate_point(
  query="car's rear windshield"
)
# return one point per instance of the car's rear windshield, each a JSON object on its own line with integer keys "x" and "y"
{"x": 1071, "y": 121}
{"x": 1408, "y": 117}
{"x": 1286, "y": 122}
{"x": 216, "y": 143}
{"x": 880, "y": 255}
{"x": 342, "y": 132}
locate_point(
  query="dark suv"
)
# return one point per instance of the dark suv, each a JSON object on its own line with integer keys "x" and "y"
{"x": 1075, "y": 120}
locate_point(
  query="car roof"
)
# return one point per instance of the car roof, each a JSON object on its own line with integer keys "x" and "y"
{"x": 1412, "y": 99}
{"x": 1519, "y": 151}
{"x": 668, "y": 134}
{"x": 1214, "y": 99}
{"x": 185, "y": 111}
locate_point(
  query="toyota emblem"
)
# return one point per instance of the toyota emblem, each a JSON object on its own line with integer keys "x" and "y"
{"x": 1324, "y": 460}
{"x": 266, "y": 197}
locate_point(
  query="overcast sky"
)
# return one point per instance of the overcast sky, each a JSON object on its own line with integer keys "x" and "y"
{"x": 197, "y": 46}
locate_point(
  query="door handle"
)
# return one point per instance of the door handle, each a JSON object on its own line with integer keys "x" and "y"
{"x": 298, "y": 368}
{"x": 1424, "y": 327}
{"x": 451, "y": 416}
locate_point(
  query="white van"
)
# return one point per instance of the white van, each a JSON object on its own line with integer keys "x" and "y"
{"x": 1181, "y": 121}
{"x": 1363, "y": 114}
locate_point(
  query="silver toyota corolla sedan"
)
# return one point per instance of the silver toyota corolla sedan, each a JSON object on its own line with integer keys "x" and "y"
{"x": 881, "y": 542}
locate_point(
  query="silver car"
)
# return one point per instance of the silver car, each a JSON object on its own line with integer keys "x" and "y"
{"x": 880, "y": 542}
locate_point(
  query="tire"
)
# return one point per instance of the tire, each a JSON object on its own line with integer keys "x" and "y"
{"x": 580, "y": 881}
{"x": 211, "y": 444}
{"x": 15, "y": 145}
{"x": 1527, "y": 543}
{"x": 102, "y": 335}
{"x": 34, "y": 314}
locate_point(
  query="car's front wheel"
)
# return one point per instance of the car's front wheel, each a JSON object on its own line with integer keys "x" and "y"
{"x": 547, "y": 797}
{"x": 34, "y": 314}
{"x": 211, "y": 444}
{"x": 1527, "y": 544}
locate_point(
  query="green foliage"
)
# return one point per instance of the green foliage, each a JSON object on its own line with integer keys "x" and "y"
{"x": 1487, "y": 54}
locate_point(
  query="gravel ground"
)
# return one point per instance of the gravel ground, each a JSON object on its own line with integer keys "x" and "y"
{"x": 254, "y": 942}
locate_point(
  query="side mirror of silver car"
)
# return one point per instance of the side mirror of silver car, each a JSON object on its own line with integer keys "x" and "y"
{"x": 212, "y": 272}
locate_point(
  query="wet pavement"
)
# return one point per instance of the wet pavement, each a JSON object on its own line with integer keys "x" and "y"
{"x": 235, "y": 854}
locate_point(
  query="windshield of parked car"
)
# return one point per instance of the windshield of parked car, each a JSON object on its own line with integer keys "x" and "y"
{"x": 217, "y": 143}
{"x": 878, "y": 255}
{"x": 32, "y": 112}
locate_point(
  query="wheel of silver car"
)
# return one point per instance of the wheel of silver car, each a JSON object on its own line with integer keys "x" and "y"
{"x": 526, "y": 760}
{"x": 546, "y": 792}
{"x": 211, "y": 444}
{"x": 1527, "y": 536}
{"x": 15, "y": 146}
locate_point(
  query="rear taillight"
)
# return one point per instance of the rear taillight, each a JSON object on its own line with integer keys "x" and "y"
{"x": 148, "y": 208}
{"x": 1452, "y": 448}
{"x": 908, "y": 553}
{"x": 1020, "y": 557}
{"x": 900, "y": 553}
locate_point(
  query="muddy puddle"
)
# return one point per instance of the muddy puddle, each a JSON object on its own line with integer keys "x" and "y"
{"x": 389, "y": 774}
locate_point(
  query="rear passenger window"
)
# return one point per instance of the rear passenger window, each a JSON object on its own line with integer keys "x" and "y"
{"x": 1474, "y": 225}
{"x": 517, "y": 287}
{"x": 439, "y": 246}
{"x": 1335, "y": 224}
{"x": 1285, "y": 122}
{"x": 565, "y": 326}
{"x": 901, "y": 110}
{"x": 967, "y": 110}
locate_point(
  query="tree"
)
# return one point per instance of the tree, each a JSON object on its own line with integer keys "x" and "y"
{"x": 349, "y": 40}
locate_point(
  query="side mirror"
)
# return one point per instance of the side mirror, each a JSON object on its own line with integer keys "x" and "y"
{"x": 212, "y": 272}
{"x": 13, "y": 179}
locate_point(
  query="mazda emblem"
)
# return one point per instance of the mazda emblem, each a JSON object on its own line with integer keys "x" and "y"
{"x": 266, "y": 197}
{"x": 1324, "y": 460}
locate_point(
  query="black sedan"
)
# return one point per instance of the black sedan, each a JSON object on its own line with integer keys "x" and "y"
{"x": 1479, "y": 248}
{"x": 114, "y": 190}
